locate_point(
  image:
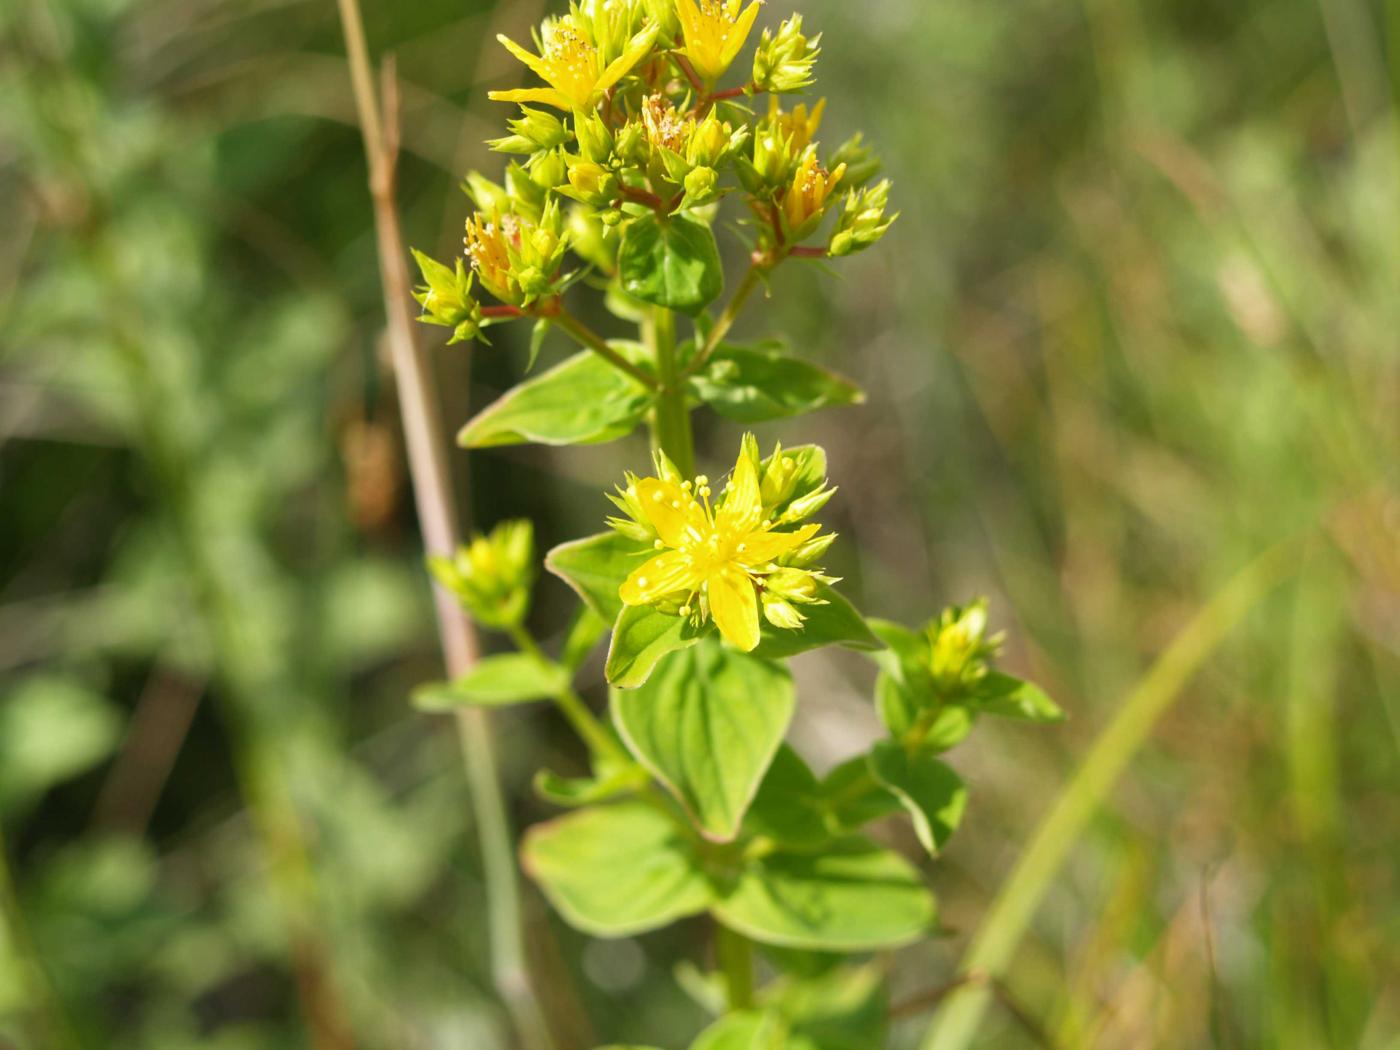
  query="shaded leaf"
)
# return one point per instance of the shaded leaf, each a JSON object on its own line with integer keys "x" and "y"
{"x": 595, "y": 567}
{"x": 581, "y": 401}
{"x": 853, "y": 896}
{"x": 641, "y": 637}
{"x": 1001, "y": 694}
{"x": 934, "y": 795}
{"x": 754, "y": 384}
{"x": 835, "y": 623}
{"x": 745, "y": 1030}
{"x": 612, "y": 871}
{"x": 707, "y": 724}
{"x": 672, "y": 263}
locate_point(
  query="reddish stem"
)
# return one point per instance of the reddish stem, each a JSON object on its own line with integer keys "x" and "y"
{"x": 646, "y": 197}
{"x": 729, "y": 93}
{"x": 501, "y": 311}
{"x": 807, "y": 252}
{"x": 690, "y": 74}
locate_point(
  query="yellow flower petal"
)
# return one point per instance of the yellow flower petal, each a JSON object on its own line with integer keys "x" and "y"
{"x": 548, "y": 96}
{"x": 622, "y": 65}
{"x": 743, "y": 25}
{"x": 762, "y": 547}
{"x": 672, "y": 512}
{"x": 743, "y": 500}
{"x": 734, "y": 607}
{"x": 538, "y": 65}
{"x": 666, "y": 574}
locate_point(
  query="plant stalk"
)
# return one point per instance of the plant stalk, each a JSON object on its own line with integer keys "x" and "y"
{"x": 425, "y": 440}
{"x": 1015, "y": 905}
{"x": 725, "y": 320}
{"x": 734, "y": 953}
{"x": 572, "y": 706}
{"x": 595, "y": 342}
{"x": 671, "y": 415}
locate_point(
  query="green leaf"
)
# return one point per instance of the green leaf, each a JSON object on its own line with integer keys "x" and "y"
{"x": 52, "y": 729}
{"x": 537, "y": 337}
{"x": 595, "y": 567}
{"x": 933, "y": 794}
{"x": 617, "y": 870}
{"x": 510, "y": 678}
{"x": 754, "y": 384}
{"x": 1001, "y": 694}
{"x": 851, "y": 897}
{"x": 790, "y": 807}
{"x": 840, "y": 1008}
{"x": 672, "y": 263}
{"x": 641, "y": 637}
{"x": 853, "y": 797}
{"x": 585, "y": 632}
{"x": 706, "y": 725}
{"x": 835, "y": 623}
{"x": 572, "y": 792}
{"x": 745, "y": 1030}
{"x": 581, "y": 401}
{"x": 899, "y": 710}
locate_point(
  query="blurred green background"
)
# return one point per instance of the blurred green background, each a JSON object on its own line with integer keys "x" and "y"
{"x": 1139, "y": 321}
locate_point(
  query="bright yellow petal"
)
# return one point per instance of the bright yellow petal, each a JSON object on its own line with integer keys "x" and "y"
{"x": 548, "y": 96}
{"x": 760, "y": 548}
{"x": 622, "y": 65}
{"x": 743, "y": 500}
{"x": 743, "y": 25}
{"x": 689, "y": 17}
{"x": 672, "y": 511}
{"x": 665, "y": 574}
{"x": 734, "y": 606}
{"x": 537, "y": 64}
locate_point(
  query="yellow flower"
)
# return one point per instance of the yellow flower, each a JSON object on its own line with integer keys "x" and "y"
{"x": 798, "y": 127}
{"x": 805, "y": 199}
{"x": 715, "y": 560}
{"x": 714, "y": 31}
{"x": 573, "y": 66}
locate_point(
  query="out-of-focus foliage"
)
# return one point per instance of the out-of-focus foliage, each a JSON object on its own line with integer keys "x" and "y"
{"x": 1136, "y": 323}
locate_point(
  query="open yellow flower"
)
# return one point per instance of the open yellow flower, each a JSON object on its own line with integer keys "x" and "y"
{"x": 573, "y": 66}
{"x": 714, "y": 31}
{"x": 715, "y": 561}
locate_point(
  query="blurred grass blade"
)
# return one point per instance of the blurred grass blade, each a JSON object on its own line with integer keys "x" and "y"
{"x": 1011, "y": 912}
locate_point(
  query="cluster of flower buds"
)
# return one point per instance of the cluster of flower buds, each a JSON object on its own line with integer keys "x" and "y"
{"x": 492, "y": 574}
{"x": 959, "y": 649}
{"x": 730, "y": 558}
{"x": 631, "y": 121}
{"x": 446, "y": 298}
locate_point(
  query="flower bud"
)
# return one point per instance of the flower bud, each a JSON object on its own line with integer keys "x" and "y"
{"x": 592, "y": 239}
{"x": 783, "y": 62}
{"x": 488, "y": 196}
{"x": 959, "y": 649}
{"x": 804, "y": 203}
{"x": 630, "y": 144}
{"x": 700, "y": 185}
{"x": 862, "y": 164}
{"x": 592, "y": 183}
{"x": 491, "y": 576}
{"x": 548, "y": 170}
{"x": 446, "y": 298}
{"x": 536, "y": 130}
{"x": 863, "y": 220}
{"x": 595, "y": 141}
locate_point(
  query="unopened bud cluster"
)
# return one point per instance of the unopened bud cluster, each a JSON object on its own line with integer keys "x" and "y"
{"x": 491, "y": 575}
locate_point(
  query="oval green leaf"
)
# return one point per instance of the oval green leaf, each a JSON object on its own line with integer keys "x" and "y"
{"x": 852, "y": 897}
{"x": 707, "y": 725}
{"x": 613, "y": 871}
{"x": 595, "y": 567}
{"x": 834, "y": 623}
{"x": 672, "y": 263}
{"x": 759, "y": 383}
{"x": 581, "y": 401}
{"x": 641, "y": 637}
{"x": 1001, "y": 694}
{"x": 934, "y": 795}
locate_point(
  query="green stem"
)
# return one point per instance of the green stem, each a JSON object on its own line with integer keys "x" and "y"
{"x": 44, "y": 1014}
{"x": 1015, "y": 905}
{"x": 572, "y": 706}
{"x": 595, "y": 342}
{"x": 734, "y": 953}
{"x": 671, "y": 420}
{"x": 726, "y": 319}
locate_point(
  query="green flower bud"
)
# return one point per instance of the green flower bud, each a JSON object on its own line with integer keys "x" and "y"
{"x": 631, "y": 144}
{"x": 592, "y": 239}
{"x": 959, "y": 649}
{"x": 863, "y": 220}
{"x": 700, "y": 185}
{"x": 491, "y": 576}
{"x": 489, "y": 197}
{"x": 536, "y": 130}
{"x": 446, "y": 298}
{"x": 595, "y": 141}
{"x": 862, "y": 164}
{"x": 592, "y": 183}
{"x": 547, "y": 170}
{"x": 783, "y": 62}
